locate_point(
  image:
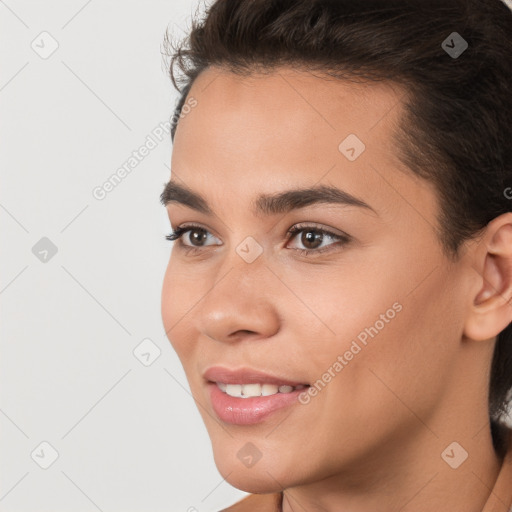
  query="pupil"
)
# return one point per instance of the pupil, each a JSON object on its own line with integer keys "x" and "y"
{"x": 309, "y": 237}
{"x": 198, "y": 236}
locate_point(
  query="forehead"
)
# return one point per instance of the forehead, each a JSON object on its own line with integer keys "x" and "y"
{"x": 337, "y": 103}
{"x": 287, "y": 128}
{"x": 296, "y": 112}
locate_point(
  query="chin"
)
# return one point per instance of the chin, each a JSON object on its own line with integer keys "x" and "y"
{"x": 253, "y": 483}
{"x": 262, "y": 478}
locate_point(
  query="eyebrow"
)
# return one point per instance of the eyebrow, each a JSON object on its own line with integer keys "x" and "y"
{"x": 266, "y": 204}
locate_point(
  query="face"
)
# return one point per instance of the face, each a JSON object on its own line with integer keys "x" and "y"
{"x": 359, "y": 303}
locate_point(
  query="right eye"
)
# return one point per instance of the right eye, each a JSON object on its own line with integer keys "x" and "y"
{"x": 177, "y": 234}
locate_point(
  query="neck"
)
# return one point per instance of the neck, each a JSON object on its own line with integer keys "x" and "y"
{"x": 410, "y": 476}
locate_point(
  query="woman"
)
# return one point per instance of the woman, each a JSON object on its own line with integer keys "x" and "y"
{"x": 340, "y": 289}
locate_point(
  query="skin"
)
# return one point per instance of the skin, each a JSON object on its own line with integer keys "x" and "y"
{"x": 372, "y": 439}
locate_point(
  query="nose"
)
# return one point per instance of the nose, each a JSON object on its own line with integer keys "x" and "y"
{"x": 241, "y": 303}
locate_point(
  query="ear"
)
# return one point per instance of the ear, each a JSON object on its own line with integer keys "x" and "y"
{"x": 491, "y": 308}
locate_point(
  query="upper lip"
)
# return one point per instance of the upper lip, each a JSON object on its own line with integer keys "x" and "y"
{"x": 246, "y": 376}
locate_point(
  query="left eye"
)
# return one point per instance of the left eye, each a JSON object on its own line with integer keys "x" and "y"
{"x": 312, "y": 237}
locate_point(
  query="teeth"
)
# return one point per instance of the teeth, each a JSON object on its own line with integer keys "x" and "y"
{"x": 234, "y": 390}
{"x": 269, "y": 389}
{"x": 252, "y": 390}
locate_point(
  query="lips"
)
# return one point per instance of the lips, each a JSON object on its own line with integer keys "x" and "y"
{"x": 247, "y": 376}
{"x": 248, "y": 396}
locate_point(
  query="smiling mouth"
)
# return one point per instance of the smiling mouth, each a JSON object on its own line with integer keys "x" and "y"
{"x": 247, "y": 396}
{"x": 255, "y": 389}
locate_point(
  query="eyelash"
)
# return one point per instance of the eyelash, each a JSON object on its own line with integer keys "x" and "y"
{"x": 178, "y": 233}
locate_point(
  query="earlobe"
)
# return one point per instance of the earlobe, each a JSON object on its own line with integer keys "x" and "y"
{"x": 491, "y": 308}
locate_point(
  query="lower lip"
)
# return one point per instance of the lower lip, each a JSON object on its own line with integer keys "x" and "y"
{"x": 247, "y": 411}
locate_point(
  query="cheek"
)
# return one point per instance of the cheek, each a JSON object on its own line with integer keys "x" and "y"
{"x": 396, "y": 330}
{"x": 405, "y": 364}
{"x": 179, "y": 295}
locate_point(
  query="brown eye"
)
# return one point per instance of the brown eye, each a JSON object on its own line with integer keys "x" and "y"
{"x": 198, "y": 236}
{"x": 311, "y": 239}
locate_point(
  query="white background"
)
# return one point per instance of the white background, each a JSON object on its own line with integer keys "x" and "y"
{"x": 129, "y": 437}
